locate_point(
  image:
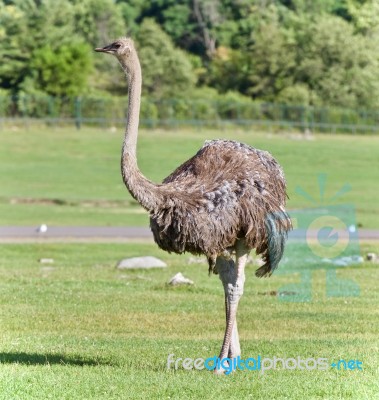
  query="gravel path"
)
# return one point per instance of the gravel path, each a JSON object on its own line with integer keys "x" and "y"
{"x": 14, "y": 234}
{"x": 9, "y": 234}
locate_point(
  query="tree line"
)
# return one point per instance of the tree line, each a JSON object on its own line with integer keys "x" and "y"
{"x": 303, "y": 52}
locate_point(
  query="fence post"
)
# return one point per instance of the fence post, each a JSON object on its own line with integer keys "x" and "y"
{"x": 78, "y": 112}
{"x": 50, "y": 107}
{"x": 303, "y": 118}
{"x": 1, "y": 113}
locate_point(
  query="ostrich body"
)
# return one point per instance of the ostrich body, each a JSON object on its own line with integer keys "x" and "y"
{"x": 226, "y": 200}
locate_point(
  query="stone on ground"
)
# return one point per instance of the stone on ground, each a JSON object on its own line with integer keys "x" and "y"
{"x": 46, "y": 260}
{"x": 141, "y": 263}
{"x": 372, "y": 257}
{"x": 179, "y": 279}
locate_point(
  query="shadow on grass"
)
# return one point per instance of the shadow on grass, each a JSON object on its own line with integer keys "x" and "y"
{"x": 48, "y": 359}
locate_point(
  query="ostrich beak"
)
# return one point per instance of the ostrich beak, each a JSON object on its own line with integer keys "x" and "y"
{"x": 106, "y": 49}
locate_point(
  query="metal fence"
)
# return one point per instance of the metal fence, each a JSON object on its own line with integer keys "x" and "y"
{"x": 111, "y": 111}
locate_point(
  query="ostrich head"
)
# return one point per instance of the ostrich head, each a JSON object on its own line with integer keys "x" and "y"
{"x": 122, "y": 49}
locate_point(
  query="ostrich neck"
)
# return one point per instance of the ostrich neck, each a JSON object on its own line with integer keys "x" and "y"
{"x": 143, "y": 190}
{"x": 134, "y": 102}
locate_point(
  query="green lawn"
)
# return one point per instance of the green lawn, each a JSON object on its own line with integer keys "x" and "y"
{"x": 68, "y": 177}
{"x": 81, "y": 329}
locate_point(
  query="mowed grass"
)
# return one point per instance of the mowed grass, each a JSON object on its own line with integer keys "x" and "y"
{"x": 62, "y": 176}
{"x": 81, "y": 329}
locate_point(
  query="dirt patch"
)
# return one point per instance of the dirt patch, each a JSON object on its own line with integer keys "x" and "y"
{"x": 73, "y": 203}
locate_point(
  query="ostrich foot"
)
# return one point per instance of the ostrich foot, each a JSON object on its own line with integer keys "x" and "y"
{"x": 220, "y": 371}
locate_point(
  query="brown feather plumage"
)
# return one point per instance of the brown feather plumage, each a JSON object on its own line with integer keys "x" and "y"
{"x": 222, "y": 194}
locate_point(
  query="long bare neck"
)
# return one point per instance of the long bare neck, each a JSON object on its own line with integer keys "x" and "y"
{"x": 134, "y": 102}
{"x": 144, "y": 191}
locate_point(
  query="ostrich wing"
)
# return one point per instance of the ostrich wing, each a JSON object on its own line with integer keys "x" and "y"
{"x": 227, "y": 191}
{"x": 225, "y": 161}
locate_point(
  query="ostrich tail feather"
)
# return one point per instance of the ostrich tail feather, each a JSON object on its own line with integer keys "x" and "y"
{"x": 276, "y": 236}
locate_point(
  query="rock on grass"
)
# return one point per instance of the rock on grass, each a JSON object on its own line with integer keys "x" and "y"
{"x": 179, "y": 279}
{"x": 141, "y": 263}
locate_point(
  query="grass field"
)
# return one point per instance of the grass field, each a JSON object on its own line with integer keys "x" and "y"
{"x": 81, "y": 329}
{"x": 68, "y": 177}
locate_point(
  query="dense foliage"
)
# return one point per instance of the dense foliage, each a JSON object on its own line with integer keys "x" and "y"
{"x": 306, "y": 52}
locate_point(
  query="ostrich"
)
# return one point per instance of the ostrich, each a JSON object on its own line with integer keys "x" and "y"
{"x": 227, "y": 199}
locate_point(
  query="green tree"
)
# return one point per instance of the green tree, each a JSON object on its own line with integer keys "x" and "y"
{"x": 365, "y": 16}
{"x": 34, "y": 32}
{"x": 98, "y": 21}
{"x": 63, "y": 72}
{"x": 339, "y": 65}
{"x": 25, "y": 27}
{"x": 322, "y": 52}
{"x": 229, "y": 70}
{"x": 132, "y": 11}
{"x": 273, "y": 60}
{"x": 167, "y": 71}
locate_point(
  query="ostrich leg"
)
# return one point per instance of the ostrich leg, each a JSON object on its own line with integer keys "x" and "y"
{"x": 234, "y": 347}
{"x": 224, "y": 267}
{"x": 232, "y": 276}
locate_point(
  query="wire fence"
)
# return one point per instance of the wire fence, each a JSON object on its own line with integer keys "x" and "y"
{"x": 172, "y": 113}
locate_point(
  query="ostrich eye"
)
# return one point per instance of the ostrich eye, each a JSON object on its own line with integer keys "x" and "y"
{"x": 117, "y": 46}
